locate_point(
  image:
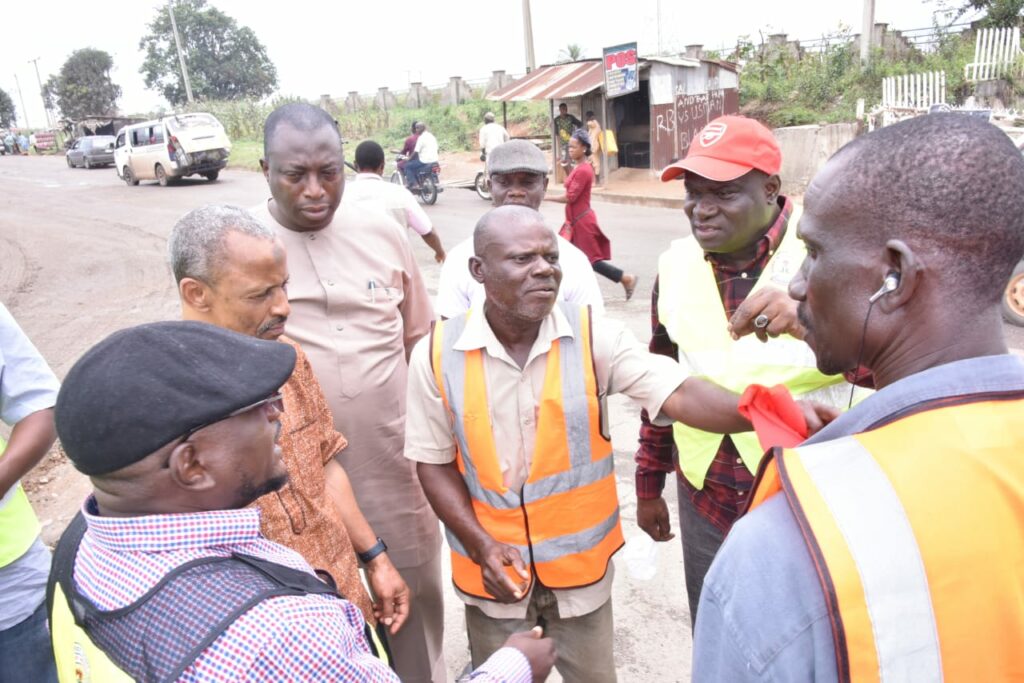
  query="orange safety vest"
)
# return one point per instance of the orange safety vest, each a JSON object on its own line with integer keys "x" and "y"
{"x": 565, "y": 520}
{"x": 916, "y": 529}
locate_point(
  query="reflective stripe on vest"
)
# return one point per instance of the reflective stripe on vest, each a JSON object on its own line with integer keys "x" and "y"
{"x": 19, "y": 526}
{"x": 917, "y": 532}
{"x": 690, "y": 308}
{"x": 565, "y": 521}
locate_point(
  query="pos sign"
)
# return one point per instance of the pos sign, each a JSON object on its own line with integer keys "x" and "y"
{"x": 620, "y": 70}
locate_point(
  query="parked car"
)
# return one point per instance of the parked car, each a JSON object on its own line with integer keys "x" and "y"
{"x": 173, "y": 147}
{"x": 91, "y": 151}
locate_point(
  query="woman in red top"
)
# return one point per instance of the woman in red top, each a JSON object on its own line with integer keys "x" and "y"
{"x": 580, "y": 225}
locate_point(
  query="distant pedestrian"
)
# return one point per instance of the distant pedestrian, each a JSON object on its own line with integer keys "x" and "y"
{"x": 580, "y": 225}
{"x": 565, "y": 125}
{"x": 491, "y": 135}
{"x": 596, "y": 142}
{"x": 23, "y": 143}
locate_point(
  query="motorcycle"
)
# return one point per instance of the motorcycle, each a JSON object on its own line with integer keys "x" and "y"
{"x": 428, "y": 179}
{"x": 482, "y": 184}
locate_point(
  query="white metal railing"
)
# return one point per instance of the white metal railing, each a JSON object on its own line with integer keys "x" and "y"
{"x": 996, "y": 51}
{"x": 914, "y": 91}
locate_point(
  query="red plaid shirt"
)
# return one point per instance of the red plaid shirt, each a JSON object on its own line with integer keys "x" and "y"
{"x": 728, "y": 480}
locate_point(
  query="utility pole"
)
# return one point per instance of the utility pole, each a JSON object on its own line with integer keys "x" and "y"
{"x": 531, "y": 61}
{"x": 46, "y": 109}
{"x": 181, "y": 55}
{"x": 24, "y": 112}
{"x": 658, "y": 20}
{"x": 866, "y": 31}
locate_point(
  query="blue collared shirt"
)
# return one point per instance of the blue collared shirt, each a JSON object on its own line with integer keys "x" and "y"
{"x": 762, "y": 614}
{"x": 27, "y": 385}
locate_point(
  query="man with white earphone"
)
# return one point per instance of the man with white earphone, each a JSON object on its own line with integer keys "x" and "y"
{"x": 895, "y": 549}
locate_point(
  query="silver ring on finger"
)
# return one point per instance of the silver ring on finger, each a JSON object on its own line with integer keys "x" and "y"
{"x": 761, "y": 321}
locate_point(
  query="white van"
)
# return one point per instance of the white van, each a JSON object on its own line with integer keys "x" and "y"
{"x": 173, "y": 147}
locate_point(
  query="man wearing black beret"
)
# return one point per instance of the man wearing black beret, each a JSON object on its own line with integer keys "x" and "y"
{"x": 165, "y": 575}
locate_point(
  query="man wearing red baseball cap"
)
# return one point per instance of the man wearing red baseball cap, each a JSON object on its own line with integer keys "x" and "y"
{"x": 726, "y": 279}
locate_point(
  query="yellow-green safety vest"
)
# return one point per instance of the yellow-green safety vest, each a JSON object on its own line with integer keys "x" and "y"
{"x": 691, "y": 310}
{"x": 19, "y": 526}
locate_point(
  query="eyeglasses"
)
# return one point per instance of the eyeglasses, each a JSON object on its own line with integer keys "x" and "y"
{"x": 275, "y": 401}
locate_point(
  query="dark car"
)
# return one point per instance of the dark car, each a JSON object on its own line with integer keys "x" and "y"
{"x": 91, "y": 150}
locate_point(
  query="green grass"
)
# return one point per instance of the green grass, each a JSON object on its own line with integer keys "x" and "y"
{"x": 246, "y": 154}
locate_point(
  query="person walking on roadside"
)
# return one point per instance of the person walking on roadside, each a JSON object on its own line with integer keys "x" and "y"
{"x": 519, "y": 177}
{"x": 232, "y": 271}
{"x": 565, "y": 125}
{"x": 28, "y": 392}
{"x": 371, "y": 191}
{"x": 895, "y": 549}
{"x": 743, "y": 251}
{"x": 358, "y": 305}
{"x": 580, "y": 225}
{"x": 169, "y": 577}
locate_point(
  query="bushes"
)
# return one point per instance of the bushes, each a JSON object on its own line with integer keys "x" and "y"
{"x": 824, "y": 87}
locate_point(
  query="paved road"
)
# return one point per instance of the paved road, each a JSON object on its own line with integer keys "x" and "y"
{"x": 83, "y": 255}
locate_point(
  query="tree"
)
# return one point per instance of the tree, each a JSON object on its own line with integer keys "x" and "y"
{"x": 7, "y": 117}
{"x": 83, "y": 86}
{"x": 998, "y": 13}
{"x": 224, "y": 60}
{"x": 571, "y": 53}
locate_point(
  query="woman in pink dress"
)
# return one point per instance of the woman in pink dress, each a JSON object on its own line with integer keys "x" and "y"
{"x": 580, "y": 225}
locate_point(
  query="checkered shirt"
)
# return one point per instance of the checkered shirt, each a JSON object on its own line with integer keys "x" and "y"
{"x": 302, "y": 638}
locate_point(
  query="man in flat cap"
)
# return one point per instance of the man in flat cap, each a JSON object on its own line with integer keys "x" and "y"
{"x": 519, "y": 177}
{"x": 164, "y": 575}
{"x": 232, "y": 271}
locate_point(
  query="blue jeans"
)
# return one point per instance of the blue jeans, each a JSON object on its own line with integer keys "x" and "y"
{"x": 412, "y": 169}
{"x": 27, "y": 652}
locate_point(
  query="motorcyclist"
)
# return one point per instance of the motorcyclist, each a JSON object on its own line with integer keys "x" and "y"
{"x": 424, "y": 155}
{"x": 408, "y": 147}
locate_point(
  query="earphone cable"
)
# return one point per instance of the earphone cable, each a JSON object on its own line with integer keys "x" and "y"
{"x": 860, "y": 354}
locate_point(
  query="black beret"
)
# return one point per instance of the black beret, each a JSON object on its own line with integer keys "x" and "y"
{"x": 141, "y": 388}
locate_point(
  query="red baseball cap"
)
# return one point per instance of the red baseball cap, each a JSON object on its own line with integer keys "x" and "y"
{"x": 727, "y": 148}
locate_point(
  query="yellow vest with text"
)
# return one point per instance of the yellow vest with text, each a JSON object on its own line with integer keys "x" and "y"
{"x": 565, "y": 520}
{"x": 691, "y": 310}
{"x": 19, "y": 526}
{"x": 916, "y": 530}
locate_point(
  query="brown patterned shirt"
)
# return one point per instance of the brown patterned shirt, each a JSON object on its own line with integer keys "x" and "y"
{"x": 300, "y": 515}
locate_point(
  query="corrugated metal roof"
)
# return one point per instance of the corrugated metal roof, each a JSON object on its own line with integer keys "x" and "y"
{"x": 557, "y": 81}
{"x": 675, "y": 61}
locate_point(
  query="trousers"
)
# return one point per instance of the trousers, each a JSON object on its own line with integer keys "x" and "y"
{"x": 25, "y": 651}
{"x": 418, "y": 649}
{"x": 701, "y": 540}
{"x": 584, "y": 643}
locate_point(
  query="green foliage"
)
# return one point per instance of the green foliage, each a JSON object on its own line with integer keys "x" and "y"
{"x": 225, "y": 61}
{"x": 570, "y": 53}
{"x": 7, "y": 113}
{"x": 83, "y": 87}
{"x": 784, "y": 90}
{"x": 456, "y": 127}
{"x": 998, "y": 13}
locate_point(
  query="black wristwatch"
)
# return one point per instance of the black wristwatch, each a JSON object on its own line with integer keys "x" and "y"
{"x": 377, "y": 548}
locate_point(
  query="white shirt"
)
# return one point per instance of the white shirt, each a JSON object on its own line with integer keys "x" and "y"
{"x": 457, "y": 290}
{"x": 492, "y": 135}
{"x": 426, "y": 147}
{"x": 371, "y": 192}
{"x": 622, "y": 365}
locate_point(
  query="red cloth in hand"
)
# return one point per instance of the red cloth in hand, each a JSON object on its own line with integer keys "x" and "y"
{"x": 777, "y": 419}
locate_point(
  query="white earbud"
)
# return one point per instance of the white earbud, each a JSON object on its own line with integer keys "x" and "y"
{"x": 891, "y": 282}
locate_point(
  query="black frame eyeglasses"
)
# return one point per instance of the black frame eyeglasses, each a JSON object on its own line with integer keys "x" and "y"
{"x": 275, "y": 401}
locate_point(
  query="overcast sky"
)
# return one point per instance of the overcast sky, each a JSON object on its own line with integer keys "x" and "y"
{"x": 334, "y": 47}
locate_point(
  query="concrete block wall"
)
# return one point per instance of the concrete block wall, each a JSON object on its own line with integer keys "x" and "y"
{"x": 805, "y": 149}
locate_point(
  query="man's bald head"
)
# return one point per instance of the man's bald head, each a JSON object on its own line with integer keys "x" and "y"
{"x": 949, "y": 185}
{"x": 500, "y": 222}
